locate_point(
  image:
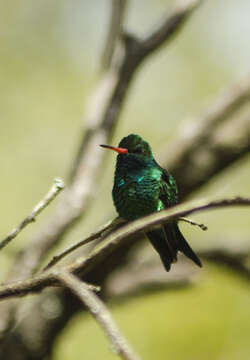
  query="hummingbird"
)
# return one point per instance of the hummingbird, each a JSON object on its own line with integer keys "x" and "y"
{"x": 141, "y": 187}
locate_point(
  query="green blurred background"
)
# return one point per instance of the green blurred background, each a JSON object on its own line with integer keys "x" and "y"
{"x": 49, "y": 66}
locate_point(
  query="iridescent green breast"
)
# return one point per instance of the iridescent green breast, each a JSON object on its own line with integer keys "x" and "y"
{"x": 136, "y": 193}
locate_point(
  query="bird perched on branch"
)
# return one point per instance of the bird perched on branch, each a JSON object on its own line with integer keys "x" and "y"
{"x": 142, "y": 187}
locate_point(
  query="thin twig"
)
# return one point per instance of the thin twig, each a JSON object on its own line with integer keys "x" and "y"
{"x": 109, "y": 226}
{"x": 57, "y": 187}
{"x": 192, "y": 222}
{"x": 100, "y": 312}
{"x": 112, "y": 241}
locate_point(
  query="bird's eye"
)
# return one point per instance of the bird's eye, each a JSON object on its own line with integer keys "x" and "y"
{"x": 138, "y": 150}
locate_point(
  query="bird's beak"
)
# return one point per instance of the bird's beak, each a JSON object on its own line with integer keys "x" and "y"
{"x": 117, "y": 149}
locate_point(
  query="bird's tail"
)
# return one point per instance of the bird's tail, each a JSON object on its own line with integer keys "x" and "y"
{"x": 167, "y": 241}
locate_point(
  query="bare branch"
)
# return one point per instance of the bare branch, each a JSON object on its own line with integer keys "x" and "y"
{"x": 83, "y": 266}
{"x": 111, "y": 225}
{"x": 107, "y": 227}
{"x": 114, "y": 31}
{"x": 233, "y": 260}
{"x": 100, "y": 312}
{"x": 35, "y": 284}
{"x": 192, "y": 222}
{"x": 57, "y": 187}
{"x": 139, "y": 276}
{"x": 117, "y": 238}
{"x": 173, "y": 22}
{"x": 210, "y": 143}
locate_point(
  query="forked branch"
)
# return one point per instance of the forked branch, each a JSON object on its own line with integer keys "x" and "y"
{"x": 83, "y": 265}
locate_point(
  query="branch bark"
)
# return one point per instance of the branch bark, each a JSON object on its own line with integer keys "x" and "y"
{"x": 100, "y": 312}
{"x": 140, "y": 277}
{"x": 110, "y": 226}
{"x": 114, "y": 31}
{"x": 194, "y": 223}
{"x": 210, "y": 143}
{"x": 95, "y": 236}
{"x": 57, "y": 187}
{"x": 83, "y": 266}
{"x": 174, "y": 20}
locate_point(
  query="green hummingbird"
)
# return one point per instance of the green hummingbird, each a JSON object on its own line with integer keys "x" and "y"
{"x": 142, "y": 187}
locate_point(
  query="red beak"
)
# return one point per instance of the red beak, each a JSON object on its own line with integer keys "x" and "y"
{"x": 117, "y": 149}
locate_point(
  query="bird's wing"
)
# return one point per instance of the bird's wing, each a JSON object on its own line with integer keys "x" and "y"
{"x": 168, "y": 189}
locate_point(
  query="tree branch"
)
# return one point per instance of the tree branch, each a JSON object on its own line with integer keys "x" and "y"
{"x": 111, "y": 225}
{"x": 114, "y": 240}
{"x": 83, "y": 266}
{"x": 192, "y": 222}
{"x": 114, "y": 31}
{"x": 173, "y": 22}
{"x": 213, "y": 141}
{"x": 57, "y": 187}
{"x": 139, "y": 277}
{"x": 232, "y": 260}
{"x": 100, "y": 312}
{"x": 107, "y": 227}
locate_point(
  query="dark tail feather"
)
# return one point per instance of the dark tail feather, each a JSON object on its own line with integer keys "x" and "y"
{"x": 167, "y": 241}
{"x": 181, "y": 243}
{"x": 162, "y": 245}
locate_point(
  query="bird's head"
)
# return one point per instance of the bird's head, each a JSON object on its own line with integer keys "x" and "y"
{"x": 132, "y": 147}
